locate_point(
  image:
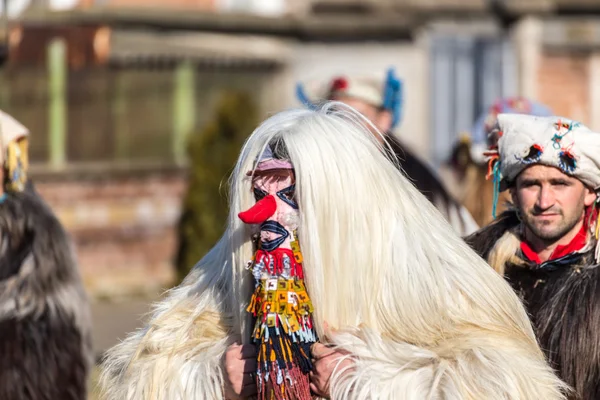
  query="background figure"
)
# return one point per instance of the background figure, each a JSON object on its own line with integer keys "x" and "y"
{"x": 45, "y": 328}
{"x": 416, "y": 312}
{"x": 381, "y": 103}
{"x": 469, "y": 163}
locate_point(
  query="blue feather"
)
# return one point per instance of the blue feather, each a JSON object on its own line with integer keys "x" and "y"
{"x": 301, "y": 95}
{"x": 393, "y": 99}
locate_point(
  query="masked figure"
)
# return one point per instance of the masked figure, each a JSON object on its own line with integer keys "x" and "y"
{"x": 45, "y": 323}
{"x": 333, "y": 268}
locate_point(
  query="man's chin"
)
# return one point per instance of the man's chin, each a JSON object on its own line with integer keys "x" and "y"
{"x": 547, "y": 232}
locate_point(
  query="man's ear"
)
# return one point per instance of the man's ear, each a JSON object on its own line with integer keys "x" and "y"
{"x": 513, "y": 195}
{"x": 590, "y": 197}
{"x": 384, "y": 121}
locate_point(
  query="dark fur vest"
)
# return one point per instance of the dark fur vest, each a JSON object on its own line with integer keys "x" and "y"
{"x": 45, "y": 342}
{"x": 562, "y": 297}
{"x": 430, "y": 186}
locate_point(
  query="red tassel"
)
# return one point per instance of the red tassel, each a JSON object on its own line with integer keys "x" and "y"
{"x": 277, "y": 256}
{"x": 299, "y": 389}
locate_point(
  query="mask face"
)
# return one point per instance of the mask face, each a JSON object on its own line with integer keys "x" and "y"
{"x": 274, "y": 191}
{"x": 275, "y": 215}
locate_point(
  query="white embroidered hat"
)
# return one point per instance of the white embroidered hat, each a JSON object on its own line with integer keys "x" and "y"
{"x": 554, "y": 141}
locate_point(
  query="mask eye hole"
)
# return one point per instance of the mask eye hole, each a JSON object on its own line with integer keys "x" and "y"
{"x": 259, "y": 194}
{"x": 567, "y": 161}
{"x": 288, "y": 195}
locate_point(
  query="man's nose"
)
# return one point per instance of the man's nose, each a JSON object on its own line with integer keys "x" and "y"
{"x": 546, "y": 198}
{"x": 260, "y": 212}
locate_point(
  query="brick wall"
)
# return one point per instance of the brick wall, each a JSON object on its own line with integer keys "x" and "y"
{"x": 123, "y": 228}
{"x": 563, "y": 84}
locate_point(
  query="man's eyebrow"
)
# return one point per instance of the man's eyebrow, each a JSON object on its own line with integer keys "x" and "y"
{"x": 560, "y": 180}
{"x": 529, "y": 181}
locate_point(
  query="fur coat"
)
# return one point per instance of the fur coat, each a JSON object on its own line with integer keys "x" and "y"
{"x": 45, "y": 328}
{"x": 562, "y": 297}
{"x": 178, "y": 356}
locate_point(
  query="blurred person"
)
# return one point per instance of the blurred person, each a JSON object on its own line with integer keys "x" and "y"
{"x": 469, "y": 164}
{"x": 547, "y": 246}
{"x": 45, "y": 323}
{"x": 319, "y": 245}
{"x": 381, "y": 103}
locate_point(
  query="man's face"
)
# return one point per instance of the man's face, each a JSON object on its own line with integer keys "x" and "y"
{"x": 381, "y": 119}
{"x": 551, "y": 203}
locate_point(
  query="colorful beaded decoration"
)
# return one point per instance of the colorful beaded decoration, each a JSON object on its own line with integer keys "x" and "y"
{"x": 562, "y": 128}
{"x": 284, "y": 330}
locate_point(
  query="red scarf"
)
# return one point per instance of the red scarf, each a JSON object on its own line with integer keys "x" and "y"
{"x": 578, "y": 242}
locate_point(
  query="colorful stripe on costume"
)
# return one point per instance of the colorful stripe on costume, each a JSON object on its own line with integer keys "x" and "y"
{"x": 284, "y": 330}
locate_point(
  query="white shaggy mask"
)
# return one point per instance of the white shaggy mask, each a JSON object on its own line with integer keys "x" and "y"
{"x": 554, "y": 141}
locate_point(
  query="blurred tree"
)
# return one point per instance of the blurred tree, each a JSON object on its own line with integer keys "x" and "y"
{"x": 212, "y": 154}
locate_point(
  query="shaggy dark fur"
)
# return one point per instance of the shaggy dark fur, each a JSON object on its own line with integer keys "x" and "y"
{"x": 45, "y": 342}
{"x": 563, "y": 299}
{"x": 484, "y": 239}
{"x": 424, "y": 179}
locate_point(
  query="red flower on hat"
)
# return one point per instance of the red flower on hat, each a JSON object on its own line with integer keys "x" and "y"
{"x": 520, "y": 104}
{"x": 339, "y": 84}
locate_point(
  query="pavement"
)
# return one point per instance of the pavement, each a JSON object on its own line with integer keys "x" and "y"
{"x": 113, "y": 320}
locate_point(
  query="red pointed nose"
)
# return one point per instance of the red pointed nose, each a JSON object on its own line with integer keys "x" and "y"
{"x": 259, "y": 212}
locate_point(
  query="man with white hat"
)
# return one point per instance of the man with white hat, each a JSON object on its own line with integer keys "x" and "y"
{"x": 45, "y": 327}
{"x": 547, "y": 246}
{"x": 469, "y": 164}
{"x": 381, "y": 103}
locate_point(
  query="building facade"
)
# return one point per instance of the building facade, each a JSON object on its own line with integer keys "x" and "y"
{"x": 111, "y": 90}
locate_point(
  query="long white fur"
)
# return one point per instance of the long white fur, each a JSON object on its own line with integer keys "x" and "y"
{"x": 420, "y": 313}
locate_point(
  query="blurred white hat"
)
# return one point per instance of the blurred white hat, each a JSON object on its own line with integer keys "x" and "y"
{"x": 10, "y": 130}
{"x": 13, "y": 152}
{"x": 369, "y": 90}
